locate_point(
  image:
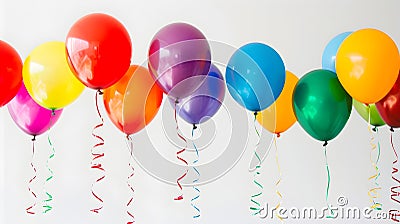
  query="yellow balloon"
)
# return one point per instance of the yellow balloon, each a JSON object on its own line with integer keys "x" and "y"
{"x": 48, "y": 78}
{"x": 367, "y": 65}
{"x": 279, "y": 117}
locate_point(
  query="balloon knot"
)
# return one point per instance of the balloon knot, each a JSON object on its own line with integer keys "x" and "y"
{"x": 34, "y": 138}
{"x": 374, "y": 129}
{"x": 391, "y": 129}
{"x": 53, "y": 112}
{"x": 100, "y": 92}
{"x": 325, "y": 143}
{"x": 194, "y": 127}
{"x": 278, "y": 135}
{"x": 255, "y": 113}
{"x": 177, "y": 101}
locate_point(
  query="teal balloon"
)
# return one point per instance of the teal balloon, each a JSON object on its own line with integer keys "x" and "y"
{"x": 255, "y": 76}
{"x": 321, "y": 105}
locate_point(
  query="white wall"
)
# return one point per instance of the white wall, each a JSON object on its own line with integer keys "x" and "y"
{"x": 299, "y": 30}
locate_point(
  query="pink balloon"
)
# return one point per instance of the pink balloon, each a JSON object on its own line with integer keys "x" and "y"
{"x": 29, "y": 116}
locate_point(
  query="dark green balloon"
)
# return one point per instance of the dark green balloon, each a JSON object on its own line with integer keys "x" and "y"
{"x": 321, "y": 104}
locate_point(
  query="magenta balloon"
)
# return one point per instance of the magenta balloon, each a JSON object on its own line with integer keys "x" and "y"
{"x": 205, "y": 101}
{"x": 29, "y": 116}
{"x": 179, "y": 59}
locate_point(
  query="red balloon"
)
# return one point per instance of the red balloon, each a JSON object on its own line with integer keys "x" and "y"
{"x": 389, "y": 106}
{"x": 10, "y": 73}
{"x": 99, "y": 50}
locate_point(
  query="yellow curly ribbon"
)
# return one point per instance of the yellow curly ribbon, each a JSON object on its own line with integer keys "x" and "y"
{"x": 279, "y": 180}
{"x": 373, "y": 193}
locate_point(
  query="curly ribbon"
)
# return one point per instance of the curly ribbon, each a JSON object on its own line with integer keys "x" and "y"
{"x": 196, "y": 197}
{"x": 97, "y": 156}
{"x": 328, "y": 182}
{"x": 280, "y": 178}
{"x": 394, "y": 213}
{"x": 178, "y": 181}
{"x": 256, "y": 208}
{"x": 373, "y": 192}
{"x": 130, "y": 201}
{"x": 47, "y": 207}
{"x": 29, "y": 209}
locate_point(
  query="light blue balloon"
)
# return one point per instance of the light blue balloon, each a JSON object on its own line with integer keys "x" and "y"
{"x": 255, "y": 76}
{"x": 330, "y": 51}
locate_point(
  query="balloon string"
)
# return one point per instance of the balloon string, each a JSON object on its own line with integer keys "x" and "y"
{"x": 328, "y": 182}
{"x": 96, "y": 156}
{"x": 29, "y": 209}
{"x": 196, "y": 189}
{"x": 178, "y": 181}
{"x": 130, "y": 201}
{"x": 373, "y": 192}
{"x": 47, "y": 207}
{"x": 279, "y": 180}
{"x": 256, "y": 208}
{"x": 395, "y": 190}
{"x": 255, "y": 128}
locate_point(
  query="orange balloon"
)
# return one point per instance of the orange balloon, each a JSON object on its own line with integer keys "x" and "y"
{"x": 367, "y": 65}
{"x": 133, "y": 101}
{"x": 280, "y": 116}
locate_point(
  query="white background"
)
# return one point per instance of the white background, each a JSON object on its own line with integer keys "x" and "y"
{"x": 298, "y": 30}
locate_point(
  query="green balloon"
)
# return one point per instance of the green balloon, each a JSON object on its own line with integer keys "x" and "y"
{"x": 321, "y": 105}
{"x": 363, "y": 111}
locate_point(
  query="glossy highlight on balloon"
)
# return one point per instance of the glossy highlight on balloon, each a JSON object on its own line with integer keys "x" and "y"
{"x": 29, "y": 116}
{"x": 99, "y": 50}
{"x": 48, "y": 78}
{"x": 280, "y": 116}
{"x": 10, "y": 72}
{"x": 179, "y": 59}
{"x": 255, "y": 76}
{"x": 321, "y": 105}
{"x": 389, "y": 106}
{"x": 367, "y": 65}
{"x": 205, "y": 101}
{"x": 133, "y": 101}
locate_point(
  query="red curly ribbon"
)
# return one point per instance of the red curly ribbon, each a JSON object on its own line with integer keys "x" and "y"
{"x": 130, "y": 201}
{"x": 180, "y": 197}
{"x": 394, "y": 213}
{"x": 96, "y": 156}
{"x": 29, "y": 209}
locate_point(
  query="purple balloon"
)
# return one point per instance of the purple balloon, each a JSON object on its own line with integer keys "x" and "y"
{"x": 29, "y": 116}
{"x": 205, "y": 101}
{"x": 179, "y": 59}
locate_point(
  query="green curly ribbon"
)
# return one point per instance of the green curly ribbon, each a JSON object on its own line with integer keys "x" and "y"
{"x": 47, "y": 207}
{"x": 328, "y": 183}
{"x": 256, "y": 208}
